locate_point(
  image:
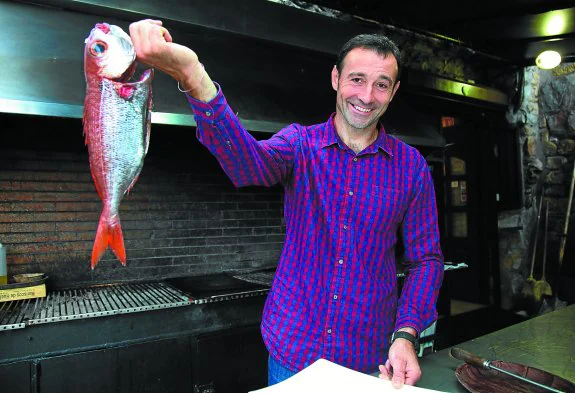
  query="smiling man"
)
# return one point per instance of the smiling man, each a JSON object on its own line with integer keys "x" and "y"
{"x": 350, "y": 191}
{"x": 366, "y": 81}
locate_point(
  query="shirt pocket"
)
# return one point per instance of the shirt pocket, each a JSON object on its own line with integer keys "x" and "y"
{"x": 385, "y": 208}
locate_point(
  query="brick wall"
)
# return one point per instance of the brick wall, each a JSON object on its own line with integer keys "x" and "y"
{"x": 183, "y": 217}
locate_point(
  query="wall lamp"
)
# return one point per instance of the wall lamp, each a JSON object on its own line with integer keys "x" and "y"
{"x": 548, "y": 59}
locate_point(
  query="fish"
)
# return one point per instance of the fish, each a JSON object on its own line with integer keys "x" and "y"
{"x": 116, "y": 125}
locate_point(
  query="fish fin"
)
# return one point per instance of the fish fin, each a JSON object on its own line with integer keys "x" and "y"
{"x": 86, "y": 122}
{"x": 117, "y": 242}
{"x": 98, "y": 190}
{"x": 148, "y": 81}
{"x": 148, "y": 127}
{"x": 109, "y": 233}
{"x": 95, "y": 181}
{"x": 101, "y": 241}
{"x": 149, "y": 112}
{"x": 133, "y": 183}
{"x": 91, "y": 112}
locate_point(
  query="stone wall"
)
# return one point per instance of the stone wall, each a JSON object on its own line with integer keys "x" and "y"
{"x": 422, "y": 51}
{"x": 546, "y": 118}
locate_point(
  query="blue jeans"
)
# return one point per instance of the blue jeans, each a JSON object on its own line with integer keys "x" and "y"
{"x": 277, "y": 372}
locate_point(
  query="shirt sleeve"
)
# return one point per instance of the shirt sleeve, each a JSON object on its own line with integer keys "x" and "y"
{"x": 423, "y": 257}
{"x": 245, "y": 160}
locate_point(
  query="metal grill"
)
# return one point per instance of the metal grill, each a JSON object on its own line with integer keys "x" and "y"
{"x": 64, "y": 305}
{"x": 230, "y": 296}
{"x": 262, "y": 278}
{"x": 259, "y": 278}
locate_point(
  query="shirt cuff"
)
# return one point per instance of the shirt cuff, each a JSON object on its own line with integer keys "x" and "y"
{"x": 408, "y": 321}
{"x": 211, "y": 111}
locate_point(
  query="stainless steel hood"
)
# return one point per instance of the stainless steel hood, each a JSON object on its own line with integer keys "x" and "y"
{"x": 42, "y": 67}
{"x": 272, "y": 61}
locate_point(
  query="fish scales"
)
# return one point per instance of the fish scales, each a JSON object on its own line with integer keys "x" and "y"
{"x": 119, "y": 143}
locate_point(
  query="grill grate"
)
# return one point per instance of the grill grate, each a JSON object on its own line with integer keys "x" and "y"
{"x": 262, "y": 278}
{"x": 69, "y": 304}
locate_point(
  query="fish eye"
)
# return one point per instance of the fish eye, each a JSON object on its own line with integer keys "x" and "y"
{"x": 98, "y": 48}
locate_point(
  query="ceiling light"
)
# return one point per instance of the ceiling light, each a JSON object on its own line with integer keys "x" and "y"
{"x": 554, "y": 23}
{"x": 548, "y": 59}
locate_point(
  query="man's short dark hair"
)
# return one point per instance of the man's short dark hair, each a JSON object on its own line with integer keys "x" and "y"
{"x": 377, "y": 42}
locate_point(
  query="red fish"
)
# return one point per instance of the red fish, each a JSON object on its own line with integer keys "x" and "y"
{"x": 116, "y": 127}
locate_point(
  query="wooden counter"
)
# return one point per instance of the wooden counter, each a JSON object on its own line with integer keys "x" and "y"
{"x": 546, "y": 342}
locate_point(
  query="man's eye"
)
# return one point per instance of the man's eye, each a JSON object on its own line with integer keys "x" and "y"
{"x": 382, "y": 86}
{"x": 356, "y": 80}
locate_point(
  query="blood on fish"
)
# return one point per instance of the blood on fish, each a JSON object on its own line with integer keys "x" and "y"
{"x": 126, "y": 92}
{"x": 104, "y": 27}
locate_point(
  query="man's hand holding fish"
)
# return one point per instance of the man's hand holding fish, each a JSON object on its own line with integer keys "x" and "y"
{"x": 154, "y": 47}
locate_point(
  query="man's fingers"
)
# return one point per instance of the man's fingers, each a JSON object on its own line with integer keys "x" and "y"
{"x": 149, "y": 38}
{"x": 149, "y": 30}
{"x": 154, "y": 21}
{"x": 413, "y": 376}
{"x": 398, "y": 378}
{"x": 166, "y": 34}
{"x": 388, "y": 368}
{"x": 409, "y": 380}
{"x": 384, "y": 372}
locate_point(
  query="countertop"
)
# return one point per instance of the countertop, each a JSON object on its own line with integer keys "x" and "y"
{"x": 546, "y": 342}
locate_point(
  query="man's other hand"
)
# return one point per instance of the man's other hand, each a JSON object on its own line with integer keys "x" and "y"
{"x": 402, "y": 366}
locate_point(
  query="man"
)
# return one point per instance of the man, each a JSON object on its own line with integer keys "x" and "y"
{"x": 349, "y": 188}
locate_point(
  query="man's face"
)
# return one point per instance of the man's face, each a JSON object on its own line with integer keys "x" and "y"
{"x": 365, "y": 87}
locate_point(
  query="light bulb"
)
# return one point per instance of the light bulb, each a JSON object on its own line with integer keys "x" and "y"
{"x": 548, "y": 59}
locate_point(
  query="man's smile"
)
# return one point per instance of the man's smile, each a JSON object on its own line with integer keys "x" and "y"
{"x": 361, "y": 108}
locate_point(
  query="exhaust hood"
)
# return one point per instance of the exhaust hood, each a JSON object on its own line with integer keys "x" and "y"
{"x": 272, "y": 61}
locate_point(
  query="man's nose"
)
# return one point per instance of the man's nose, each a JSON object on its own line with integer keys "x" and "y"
{"x": 366, "y": 94}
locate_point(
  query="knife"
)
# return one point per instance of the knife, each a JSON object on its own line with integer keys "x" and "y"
{"x": 477, "y": 361}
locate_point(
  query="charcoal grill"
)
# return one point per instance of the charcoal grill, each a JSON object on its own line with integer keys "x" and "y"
{"x": 224, "y": 287}
{"x": 91, "y": 302}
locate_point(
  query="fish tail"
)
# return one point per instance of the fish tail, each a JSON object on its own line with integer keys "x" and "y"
{"x": 109, "y": 233}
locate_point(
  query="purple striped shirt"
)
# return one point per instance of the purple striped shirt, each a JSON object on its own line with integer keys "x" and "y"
{"x": 334, "y": 294}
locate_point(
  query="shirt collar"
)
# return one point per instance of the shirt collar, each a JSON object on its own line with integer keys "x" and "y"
{"x": 331, "y": 138}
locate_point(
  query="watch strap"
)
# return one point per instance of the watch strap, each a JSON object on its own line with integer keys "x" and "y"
{"x": 407, "y": 336}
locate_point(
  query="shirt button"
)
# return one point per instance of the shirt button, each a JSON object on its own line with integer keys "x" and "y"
{"x": 334, "y": 297}
{"x": 328, "y": 331}
{"x": 355, "y": 159}
{"x": 351, "y": 193}
{"x": 345, "y": 227}
{"x": 208, "y": 113}
{"x": 340, "y": 261}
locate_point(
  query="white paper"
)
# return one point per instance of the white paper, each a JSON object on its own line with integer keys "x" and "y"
{"x": 325, "y": 376}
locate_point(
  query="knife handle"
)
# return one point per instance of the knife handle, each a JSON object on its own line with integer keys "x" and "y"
{"x": 468, "y": 357}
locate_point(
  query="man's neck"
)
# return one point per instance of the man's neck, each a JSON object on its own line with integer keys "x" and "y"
{"x": 356, "y": 139}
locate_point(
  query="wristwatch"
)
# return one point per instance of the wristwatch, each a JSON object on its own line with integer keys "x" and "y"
{"x": 408, "y": 336}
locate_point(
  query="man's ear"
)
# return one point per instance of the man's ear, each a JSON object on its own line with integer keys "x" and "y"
{"x": 334, "y": 78}
{"x": 394, "y": 90}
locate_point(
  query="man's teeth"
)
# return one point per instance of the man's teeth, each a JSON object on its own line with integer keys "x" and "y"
{"x": 359, "y": 108}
